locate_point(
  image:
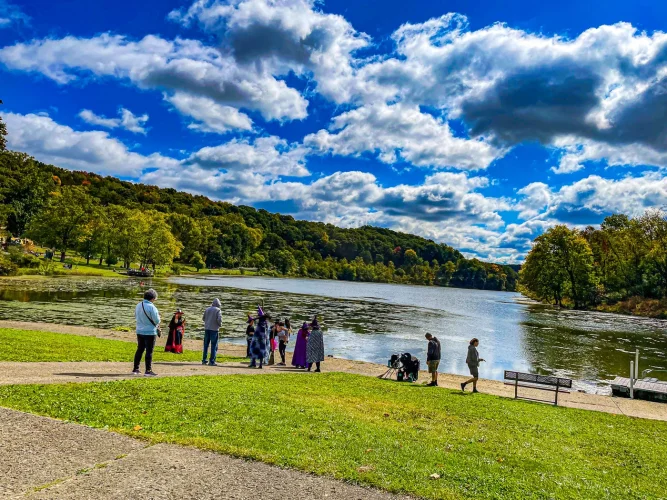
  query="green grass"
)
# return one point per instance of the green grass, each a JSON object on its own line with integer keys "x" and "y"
{"x": 32, "y": 346}
{"x": 380, "y": 433}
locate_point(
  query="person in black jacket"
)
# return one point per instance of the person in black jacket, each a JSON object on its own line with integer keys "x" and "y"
{"x": 433, "y": 358}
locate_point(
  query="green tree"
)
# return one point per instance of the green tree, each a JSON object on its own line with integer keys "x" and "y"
{"x": 63, "y": 219}
{"x": 197, "y": 261}
{"x": 24, "y": 190}
{"x": 91, "y": 238}
{"x": 560, "y": 265}
{"x": 283, "y": 260}
{"x": 157, "y": 246}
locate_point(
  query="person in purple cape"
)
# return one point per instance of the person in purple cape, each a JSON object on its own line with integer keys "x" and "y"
{"x": 259, "y": 339}
{"x": 299, "y": 356}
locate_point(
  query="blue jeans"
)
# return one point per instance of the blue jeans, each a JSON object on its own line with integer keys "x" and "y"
{"x": 210, "y": 337}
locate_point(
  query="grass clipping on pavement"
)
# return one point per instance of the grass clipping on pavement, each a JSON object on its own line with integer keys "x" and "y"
{"x": 33, "y": 346}
{"x": 433, "y": 443}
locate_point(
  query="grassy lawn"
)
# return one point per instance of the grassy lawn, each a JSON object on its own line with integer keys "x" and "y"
{"x": 380, "y": 433}
{"x": 32, "y": 346}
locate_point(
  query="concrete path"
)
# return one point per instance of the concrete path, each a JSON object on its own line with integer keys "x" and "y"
{"x": 45, "y": 458}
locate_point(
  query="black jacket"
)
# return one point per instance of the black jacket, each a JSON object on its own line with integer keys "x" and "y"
{"x": 433, "y": 353}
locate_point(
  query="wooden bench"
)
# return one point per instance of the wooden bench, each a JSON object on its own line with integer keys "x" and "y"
{"x": 549, "y": 383}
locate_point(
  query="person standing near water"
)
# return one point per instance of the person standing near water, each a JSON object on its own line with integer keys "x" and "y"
{"x": 176, "y": 332}
{"x": 433, "y": 358}
{"x": 148, "y": 321}
{"x": 315, "y": 346}
{"x": 472, "y": 360}
{"x": 299, "y": 356}
{"x": 249, "y": 332}
{"x": 212, "y": 322}
{"x": 259, "y": 340}
{"x": 283, "y": 339}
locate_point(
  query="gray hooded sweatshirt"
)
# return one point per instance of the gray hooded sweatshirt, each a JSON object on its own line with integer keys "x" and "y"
{"x": 213, "y": 316}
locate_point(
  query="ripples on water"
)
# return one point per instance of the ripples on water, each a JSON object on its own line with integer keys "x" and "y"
{"x": 367, "y": 321}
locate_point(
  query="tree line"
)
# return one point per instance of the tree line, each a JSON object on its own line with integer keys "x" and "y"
{"x": 625, "y": 258}
{"x": 118, "y": 222}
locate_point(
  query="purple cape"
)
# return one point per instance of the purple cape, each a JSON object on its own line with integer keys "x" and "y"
{"x": 299, "y": 357}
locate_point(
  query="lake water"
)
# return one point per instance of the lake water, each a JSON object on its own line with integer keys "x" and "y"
{"x": 368, "y": 321}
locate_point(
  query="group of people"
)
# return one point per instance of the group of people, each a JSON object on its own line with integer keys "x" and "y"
{"x": 262, "y": 341}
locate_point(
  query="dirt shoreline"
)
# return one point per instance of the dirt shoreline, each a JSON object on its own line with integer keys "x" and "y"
{"x": 22, "y": 373}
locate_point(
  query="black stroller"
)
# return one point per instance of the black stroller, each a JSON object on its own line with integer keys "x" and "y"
{"x": 405, "y": 365}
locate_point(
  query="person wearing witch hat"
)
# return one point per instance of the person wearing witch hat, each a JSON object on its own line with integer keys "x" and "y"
{"x": 299, "y": 356}
{"x": 315, "y": 346}
{"x": 259, "y": 339}
{"x": 249, "y": 332}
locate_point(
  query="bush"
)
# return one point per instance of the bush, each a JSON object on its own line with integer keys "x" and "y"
{"x": 111, "y": 260}
{"x": 176, "y": 269}
{"x": 7, "y": 267}
{"x": 21, "y": 259}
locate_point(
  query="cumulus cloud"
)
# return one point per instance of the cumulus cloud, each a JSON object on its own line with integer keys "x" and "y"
{"x": 127, "y": 120}
{"x": 155, "y": 63}
{"x": 51, "y": 142}
{"x": 606, "y": 88}
{"x": 209, "y": 116}
{"x": 283, "y": 36}
{"x": 401, "y": 132}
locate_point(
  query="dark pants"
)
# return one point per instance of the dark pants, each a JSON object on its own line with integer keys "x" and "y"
{"x": 247, "y": 353}
{"x": 310, "y": 365}
{"x": 144, "y": 343}
{"x": 281, "y": 349}
{"x": 210, "y": 337}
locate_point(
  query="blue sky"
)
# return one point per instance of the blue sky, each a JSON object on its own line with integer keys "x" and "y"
{"x": 477, "y": 124}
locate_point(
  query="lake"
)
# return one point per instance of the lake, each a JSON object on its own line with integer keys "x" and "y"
{"x": 369, "y": 321}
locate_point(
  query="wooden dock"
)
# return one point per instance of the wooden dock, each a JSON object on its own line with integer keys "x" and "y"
{"x": 650, "y": 389}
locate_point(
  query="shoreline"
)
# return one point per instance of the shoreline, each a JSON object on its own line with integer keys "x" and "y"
{"x": 17, "y": 372}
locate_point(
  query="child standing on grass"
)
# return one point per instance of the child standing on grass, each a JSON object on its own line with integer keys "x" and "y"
{"x": 148, "y": 328}
{"x": 472, "y": 360}
{"x": 283, "y": 339}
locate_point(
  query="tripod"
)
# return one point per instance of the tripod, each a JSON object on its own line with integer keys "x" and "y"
{"x": 390, "y": 372}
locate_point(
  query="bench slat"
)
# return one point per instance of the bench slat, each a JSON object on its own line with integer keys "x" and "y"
{"x": 538, "y": 379}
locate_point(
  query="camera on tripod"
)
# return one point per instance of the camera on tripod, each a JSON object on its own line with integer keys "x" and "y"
{"x": 405, "y": 366}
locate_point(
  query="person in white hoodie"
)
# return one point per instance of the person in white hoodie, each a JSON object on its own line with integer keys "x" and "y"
{"x": 212, "y": 322}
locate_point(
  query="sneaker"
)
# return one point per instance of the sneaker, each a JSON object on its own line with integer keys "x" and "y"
{"x": 252, "y": 366}
{"x": 150, "y": 374}
{"x": 213, "y": 364}
{"x": 436, "y": 384}
{"x": 203, "y": 363}
{"x": 475, "y": 390}
{"x": 318, "y": 370}
{"x": 136, "y": 372}
{"x": 463, "y": 387}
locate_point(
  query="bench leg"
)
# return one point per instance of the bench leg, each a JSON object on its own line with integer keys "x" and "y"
{"x": 556, "y": 399}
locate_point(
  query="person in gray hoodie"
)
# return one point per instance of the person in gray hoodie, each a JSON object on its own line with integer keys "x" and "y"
{"x": 212, "y": 323}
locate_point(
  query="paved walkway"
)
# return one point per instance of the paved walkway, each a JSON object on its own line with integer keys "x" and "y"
{"x": 45, "y": 458}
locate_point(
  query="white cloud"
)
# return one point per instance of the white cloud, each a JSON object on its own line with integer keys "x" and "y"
{"x": 60, "y": 145}
{"x": 155, "y": 63}
{"x": 401, "y": 132}
{"x": 283, "y": 36}
{"x": 209, "y": 115}
{"x": 127, "y": 120}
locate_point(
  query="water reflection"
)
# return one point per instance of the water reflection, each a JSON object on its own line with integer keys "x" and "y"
{"x": 368, "y": 321}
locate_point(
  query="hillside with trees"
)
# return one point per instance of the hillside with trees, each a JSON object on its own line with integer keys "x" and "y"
{"x": 118, "y": 222}
{"x": 620, "y": 267}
